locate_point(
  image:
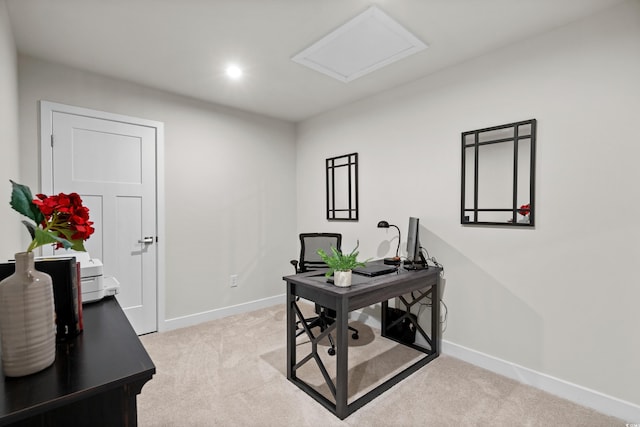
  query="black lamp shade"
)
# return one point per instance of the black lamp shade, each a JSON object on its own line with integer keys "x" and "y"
{"x": 383, "y": 224}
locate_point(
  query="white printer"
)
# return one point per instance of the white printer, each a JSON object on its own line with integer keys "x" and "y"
{"x": 94, "y": 284}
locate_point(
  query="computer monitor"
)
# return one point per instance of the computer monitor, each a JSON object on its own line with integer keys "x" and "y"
{"x": 415, "y": 259}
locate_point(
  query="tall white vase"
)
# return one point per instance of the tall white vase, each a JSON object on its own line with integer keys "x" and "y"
{"x": 27, "y": 319}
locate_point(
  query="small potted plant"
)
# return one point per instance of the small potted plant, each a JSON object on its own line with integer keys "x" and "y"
{"x": 340, "y": 265}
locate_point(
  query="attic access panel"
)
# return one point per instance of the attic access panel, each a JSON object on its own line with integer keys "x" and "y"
{"x": 366, "y": 43}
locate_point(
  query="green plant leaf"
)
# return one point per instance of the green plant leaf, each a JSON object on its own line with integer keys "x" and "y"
{"x": 78, "y": 245}
{"x": 21, "y": 201}
{"x": 335, "y": 252}
{"x": 73, "y": 244}
{"x": 31, "y": 228}
{"x": 45, "y": 238}
{"x": 340, "y": 261}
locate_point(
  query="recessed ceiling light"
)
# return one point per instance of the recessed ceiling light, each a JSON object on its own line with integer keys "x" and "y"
{"x": 234, "y": 72}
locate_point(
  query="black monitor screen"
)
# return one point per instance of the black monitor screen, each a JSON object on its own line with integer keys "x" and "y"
{"x": 413, "y": 241}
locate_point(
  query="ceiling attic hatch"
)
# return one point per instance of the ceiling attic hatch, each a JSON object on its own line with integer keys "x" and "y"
{"x": 366, "y": 43}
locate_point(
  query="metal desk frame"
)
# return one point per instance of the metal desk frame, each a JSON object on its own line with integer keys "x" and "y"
{"x": 364, "y": 292}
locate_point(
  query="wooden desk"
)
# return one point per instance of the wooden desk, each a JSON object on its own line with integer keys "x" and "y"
{"x": 364, "y": 292}
{"x": 94, "y": 380}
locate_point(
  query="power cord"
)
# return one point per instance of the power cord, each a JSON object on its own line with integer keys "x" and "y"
{"x": 424, "y": 305}
{"x": 433, "y": 260}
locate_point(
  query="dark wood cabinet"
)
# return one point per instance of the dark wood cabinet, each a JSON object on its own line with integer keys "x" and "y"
{"x": 94, "y": 380}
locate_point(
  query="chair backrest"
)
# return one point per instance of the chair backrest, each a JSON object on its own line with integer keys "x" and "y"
{"x": 309, "y": 245}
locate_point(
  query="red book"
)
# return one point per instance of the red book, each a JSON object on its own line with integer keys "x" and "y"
{"x": 79, "y": 300}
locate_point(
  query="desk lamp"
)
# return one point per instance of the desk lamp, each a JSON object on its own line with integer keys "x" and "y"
{"x": 395, "y": 260}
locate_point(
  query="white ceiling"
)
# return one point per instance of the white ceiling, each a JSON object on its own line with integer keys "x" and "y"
{"x": 183, "y": 46}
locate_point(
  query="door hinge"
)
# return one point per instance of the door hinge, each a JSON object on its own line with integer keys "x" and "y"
{"x": 51, "y": 140}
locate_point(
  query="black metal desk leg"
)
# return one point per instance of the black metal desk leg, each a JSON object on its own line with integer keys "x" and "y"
{"x": 435, "y": 317}
{"x": 342, "y": 357}
{"x": 291, "y": 332}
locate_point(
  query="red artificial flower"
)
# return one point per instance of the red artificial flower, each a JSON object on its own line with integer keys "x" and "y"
{"x": 524, "y": 210}
{"x": 45, "y": 204}
{"x": 65, "y": 213}
{"x": 60, "y": 220}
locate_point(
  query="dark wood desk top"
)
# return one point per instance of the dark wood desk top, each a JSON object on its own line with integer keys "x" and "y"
{"x": 364, "y": 291}
{"x": 106, "y": 355}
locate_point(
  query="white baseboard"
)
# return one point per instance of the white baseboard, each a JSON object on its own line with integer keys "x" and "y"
{"x": 205, "y": 316}
{"x": 603, "y": 403}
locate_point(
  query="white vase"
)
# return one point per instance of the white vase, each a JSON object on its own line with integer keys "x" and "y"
{"x": 342, "y": 278}
{"x": 27, "y": 319}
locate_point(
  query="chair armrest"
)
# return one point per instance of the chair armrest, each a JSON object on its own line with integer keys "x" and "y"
{"x": 294, "y": 262}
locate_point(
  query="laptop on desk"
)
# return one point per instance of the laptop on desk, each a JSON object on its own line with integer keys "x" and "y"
{"x": 373, "y": 270}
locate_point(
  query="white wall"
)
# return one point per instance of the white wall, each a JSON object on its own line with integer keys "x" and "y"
{"x": 230, "y": 184}
{"x": 560, "y": 299}
{"x": 10, "y": 243}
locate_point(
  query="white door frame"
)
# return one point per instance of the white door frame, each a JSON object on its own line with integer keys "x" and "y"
{"x": 47, "y": 109}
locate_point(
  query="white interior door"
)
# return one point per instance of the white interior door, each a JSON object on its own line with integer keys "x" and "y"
{"x": 112, "y": 165}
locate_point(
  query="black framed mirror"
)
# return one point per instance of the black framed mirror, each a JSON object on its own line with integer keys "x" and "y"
{"x": 498, "y": 175}
{"x": 342, "y": 188}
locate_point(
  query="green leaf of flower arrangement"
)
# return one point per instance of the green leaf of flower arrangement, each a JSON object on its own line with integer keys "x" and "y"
{"x": 76, "y": 245}
{"x": 31, "y": 228}
{"x": 44, "y": 238}
{"x": 21, "y": 201}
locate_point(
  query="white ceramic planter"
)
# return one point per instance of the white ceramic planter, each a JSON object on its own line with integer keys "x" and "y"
{"x": 342, "y": 278}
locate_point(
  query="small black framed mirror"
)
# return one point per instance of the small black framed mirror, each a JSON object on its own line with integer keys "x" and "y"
{"x": 498, "y": 175}
{"x": 342, "y": 188}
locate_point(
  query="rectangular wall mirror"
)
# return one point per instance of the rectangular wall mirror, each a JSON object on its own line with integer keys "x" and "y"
{"x": 498, "y": 175}
{"x": 342, "y": 188}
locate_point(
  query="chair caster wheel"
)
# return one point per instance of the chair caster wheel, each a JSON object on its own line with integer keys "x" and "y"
{"x": 355, "y": 336}
{"x": 331, "y": 351}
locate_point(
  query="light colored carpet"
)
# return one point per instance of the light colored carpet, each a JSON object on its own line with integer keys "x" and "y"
{"x": 232, "y": 372}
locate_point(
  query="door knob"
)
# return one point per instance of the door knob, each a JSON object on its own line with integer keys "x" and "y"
{"x": 146, "y": 240}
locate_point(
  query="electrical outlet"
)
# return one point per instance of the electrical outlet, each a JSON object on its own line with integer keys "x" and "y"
{"x": 233, "y": 281}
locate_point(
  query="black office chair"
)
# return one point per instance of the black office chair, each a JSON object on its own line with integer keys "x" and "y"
{"x": 310, "y": 260}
